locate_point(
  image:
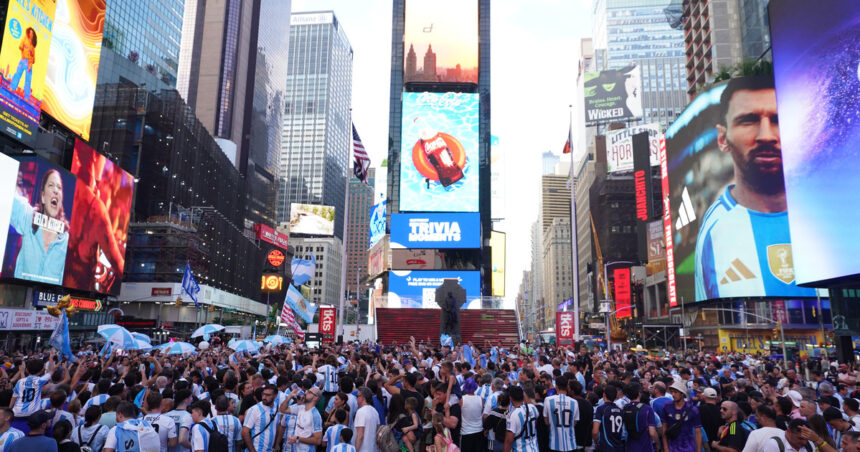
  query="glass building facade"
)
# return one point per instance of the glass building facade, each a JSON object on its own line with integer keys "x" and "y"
{"x": 755, "y": 29}
{"x": 316, "y": 138}
{"x": 147, "y": 33}
{"x": 636, "y": 31}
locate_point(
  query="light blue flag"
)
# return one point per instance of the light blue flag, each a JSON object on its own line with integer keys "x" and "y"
{"x": 446, "y": 340}
{"x": 189, "y": 284}
{"x": 300, "y": 305}
{"x": 494, "y": 355}
{"x": 303, "y": 270}
{"x": 467, "y": 355}
{"x": 60, "y": 339}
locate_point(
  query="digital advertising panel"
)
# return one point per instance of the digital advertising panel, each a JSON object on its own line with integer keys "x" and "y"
{"x": 311, "y": 219}
{"x": 377, "y": 223}
{"x": 435, "y": 230}
{"x": 98, "y": 233}
{"x": 73, "y": 63}
{"x": 497, "y": 250}
{"x": 613, "y": 95}
{"x": 8, "y": 182}
{"x": 726, "y": 197}
{"x": 417, "y": 260}
{"x": 417, "y": 289}
{"x": 819, "y": 109}
{"x": 619, "y": 147}
{"x": 440, "y": 40}
{"x": 23, "y": 65}
{"x": 269, "y": 235}
{"x": 439, "y": 161}
{"x": 38, "y": 230}
{"x": 621, "y": 278}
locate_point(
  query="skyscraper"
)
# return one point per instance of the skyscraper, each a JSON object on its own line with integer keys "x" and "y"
{"x": 712, "y": 37}
{"x": 317, "y": 133}
{"x": 358, "y": 229}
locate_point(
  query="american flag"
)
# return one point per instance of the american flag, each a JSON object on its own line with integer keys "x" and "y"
{"x": 361, "y": 161}
{"x": 288, "y": 318}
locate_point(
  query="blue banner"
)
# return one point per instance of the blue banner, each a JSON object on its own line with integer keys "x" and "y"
{"x": 189, "y": 284}
{"x": 377, "y": 223}
{"x": 417, "y": 288}
{"x": 436, "y": 230}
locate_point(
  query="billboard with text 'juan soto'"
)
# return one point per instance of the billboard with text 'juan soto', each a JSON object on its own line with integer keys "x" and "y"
{"x": 436, "y": 230}
{"x": 816, "y": 62}
{"x": 439, "y": 153}
{"x": 729, "y": 231}
{"x": 417, "y": 288}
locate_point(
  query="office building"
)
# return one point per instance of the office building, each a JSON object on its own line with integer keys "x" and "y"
{"x": 712, "y": 40}
{"x": 584, "y": 178}
{"x": 535, "y": 310}
{"x": 558, "y": 272}
{"x": 358, "y": 230}
{"x": 637, "y": 32}
{"x": 755, "y": 29}
{"x": 142, "y": 34}
{"x": 324, "y": 286}
{"x": 555, "y": 199}
{"x": 317, "y": 135}
{"x": 548, "y": 161}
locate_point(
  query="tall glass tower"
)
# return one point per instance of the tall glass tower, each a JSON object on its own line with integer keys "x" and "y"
{"x": 317, "y": 135}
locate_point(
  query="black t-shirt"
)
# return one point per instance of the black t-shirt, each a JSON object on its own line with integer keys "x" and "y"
{"x": 5, "y": 397}
{"x": 711, "y": 421}
{"x": 734, "y": 436}
{"x": 542, "y": 429}
{"x": 69, "y": 446}
{"x": 418, "y": 397}
{"x": 582, "y": 429}
{"x": 453, "y": 411}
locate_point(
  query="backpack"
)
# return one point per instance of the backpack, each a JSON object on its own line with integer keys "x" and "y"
{"x": 146, "y": 436}
{"x": 385, "y": 440}
{"x": 217, "y": 440}
{"x": 630, "y": 415}
{"x": 781, "y": 445}
{"x": 449, "y": 443}
{"x": 88, "y": 446}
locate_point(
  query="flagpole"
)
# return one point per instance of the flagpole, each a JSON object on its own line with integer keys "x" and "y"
{"x": 345, "y": 220}
{"x": 574, "y": 239}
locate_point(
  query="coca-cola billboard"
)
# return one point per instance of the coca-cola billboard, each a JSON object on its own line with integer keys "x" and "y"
{"x": 270, "y": 235}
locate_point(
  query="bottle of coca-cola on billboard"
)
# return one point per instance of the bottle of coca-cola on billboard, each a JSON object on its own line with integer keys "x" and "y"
{"x": 439, "y": 154}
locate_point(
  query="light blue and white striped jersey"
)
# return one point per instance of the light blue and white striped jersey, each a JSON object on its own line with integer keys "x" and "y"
{"x": 230, "y": 426}
{"x": 182, "y": 419}
{"x": 522, "y": 422}
{"x": 562, "y": 413}
{"x": 200, "y": 436}
{"x": 308, "y": 422}
{"x": 742, "y": 252}
{"x": 263, "y": 420}
{"x": 28, "y": 393}
{"x": 331, "y": 436}
{"x": 94, "y": 401}
{"x": 328, "y": 377}
{"x": 491, "y": 403}
{"x": 343, "y": 447}
{"x": 8, "y": 437}
{"x": 484, "y": 392}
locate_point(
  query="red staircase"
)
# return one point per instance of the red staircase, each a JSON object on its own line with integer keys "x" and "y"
{"x": 496, "y": 326}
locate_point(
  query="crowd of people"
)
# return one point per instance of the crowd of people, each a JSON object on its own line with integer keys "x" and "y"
{"x": 419, "y": 397}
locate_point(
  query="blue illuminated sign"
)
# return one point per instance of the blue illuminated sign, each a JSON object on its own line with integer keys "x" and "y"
{"x": 436, "y": 230}
{"x": 377, "y": 222}
{"x": 417, "y": 288}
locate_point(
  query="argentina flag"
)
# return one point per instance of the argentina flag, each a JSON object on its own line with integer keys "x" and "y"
{"x": 189, "y": 284}
{"x": 60, "y": 338}
{"x": 303, "y": 270}
{"x": 300, "y": 305}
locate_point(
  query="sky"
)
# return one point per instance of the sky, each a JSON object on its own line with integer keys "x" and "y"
{"x": 535, "y": 49}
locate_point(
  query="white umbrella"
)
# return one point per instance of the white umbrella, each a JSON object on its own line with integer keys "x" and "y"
{"x": 245, "y": 346}
{"x": 142, "y": 337}
{"x": 177, "y": 348}
{"x": 277, "y": 339}
{"x": 206, "y": 330}
{"x": 117, "y": 335}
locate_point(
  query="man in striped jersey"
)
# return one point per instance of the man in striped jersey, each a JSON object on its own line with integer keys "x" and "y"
{"x": 163, "y": 425}
{"x": 8, "y": 434}
{"x": 203, "y": 426}
{"x": 561, "y": 412}
{"x": 327, "y": 374}
{"x": 261, "y": 423}
{"x": 743, "y": 247}
{"x": 27, "y": 395}
{"x": 102, "y": 389}
{"x": 493, "y": 401}
{"x": 227, "y": 424}
{"x": 308, "y": 431}
{"x": 521, "y": 433}
{"x": 486, "y": 390}
{"x": 344, "y": 445}
{"x": 332, "y": 435}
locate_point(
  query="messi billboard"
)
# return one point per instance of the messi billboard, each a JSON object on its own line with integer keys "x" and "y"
{"x": 417, "y": 288}
{"x": 440, "y": 40}
{"x": 816, "y": 61}
{"x": 23, "y": 65}
{"x": 435, "y": 230}
{"x": 728, "y": 234}
{"x": 439, "y": 152}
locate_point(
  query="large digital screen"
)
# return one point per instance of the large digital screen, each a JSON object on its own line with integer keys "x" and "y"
{"x": 8, "y": 182}
{"x": 819, "y": 106}
{"x": 311, "y": 219}
{"x": 439, "y": 160}
{"x": 73, "y": 64}
{"x": 436, "y": 230}
{"x": 726, "y": 196}
{"x": 619, "y": 147}
{"x": 497, "y": 249}
{"x": 441, "y": 41}
{"x": 98, "y": 233}
{"x": 38, "y": 229}
{"x": 377, "y": 223}
{"x": 23, "y": 65}
{"x": 613, "y": 95}
{"x": 417, "y": 289}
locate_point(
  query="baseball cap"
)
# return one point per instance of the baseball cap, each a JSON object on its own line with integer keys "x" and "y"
{"x": 832, "y": 413}
{"x": 795, "y": 397}
{"x": 710, "y": 393}
{"x": 38, "y": 418}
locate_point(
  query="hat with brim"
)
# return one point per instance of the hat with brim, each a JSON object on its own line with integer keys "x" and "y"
{"x": 679, "y": 386}
{"x": 795, "y": 397}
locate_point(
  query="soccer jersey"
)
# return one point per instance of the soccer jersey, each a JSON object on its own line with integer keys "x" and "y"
{"x": 484, "y": 392}
{"x": 8, "y": 437}
{"x": 611, "y": 428}
{"x": 230, "y": 427}
{"x": 562, "y": 413}
{"x": 328, "y": 376}
{"x": 522, "y": 422}
{"x": 200, "y": 436}
{"x": 263, "y": 421}
{"x": 94, "y": 401}
{"x": 308, "y": 422}
{"x": 742, "y": 252}
{"x": 331, "y": 436}
{"x": 28, "y": 393}
{"x": 343, "y": 447}
{"x": 182, "y": 420}
{"x": 164, "y": 426}
{"x": 492, "y": 402}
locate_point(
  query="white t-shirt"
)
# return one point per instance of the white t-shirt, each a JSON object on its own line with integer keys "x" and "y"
{"x": 471, "y": 411}
{"x": 164, "y": 425}
{"x": 771, "y": 445}
{"x": 757, "y": 438}
{"x": 368, "y": 418}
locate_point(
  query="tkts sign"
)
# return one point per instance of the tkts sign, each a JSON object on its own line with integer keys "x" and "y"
{"x": 564, "y": 328}
{"x": 327, "y": 323}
